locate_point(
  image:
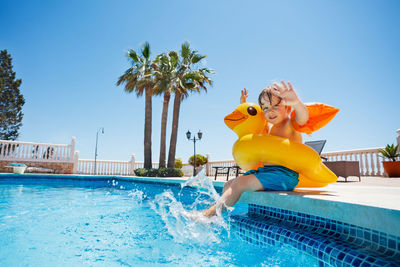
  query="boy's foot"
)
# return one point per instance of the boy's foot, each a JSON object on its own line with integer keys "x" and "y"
{"x": 210, "y": 212}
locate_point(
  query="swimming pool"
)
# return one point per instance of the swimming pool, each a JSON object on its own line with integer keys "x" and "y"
{"x": 114, "y": 223}
{"x": 74, "y": 220}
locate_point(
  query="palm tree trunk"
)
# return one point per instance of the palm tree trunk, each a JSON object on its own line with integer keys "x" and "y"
{"x": 161, "y": 162}
{"x": 174, "y": 132}
{"x": 147, "y": 129}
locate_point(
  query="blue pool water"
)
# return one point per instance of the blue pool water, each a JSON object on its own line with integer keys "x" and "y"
{"x": 113, "y": 223}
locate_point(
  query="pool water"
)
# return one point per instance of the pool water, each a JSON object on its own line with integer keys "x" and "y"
{"x": 71, "y": 223}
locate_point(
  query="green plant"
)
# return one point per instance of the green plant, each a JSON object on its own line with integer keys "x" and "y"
{"x": 200, "y": 160}
{"x": 11, "y": 99}
{"x": 152, "y": 172}
{"x": 172, "y": 172}
{"x": 178, "y": 163}
{"x": 390, "y": 152}
{"x": 139, "y": 79}
{"x": 162, "y": 172}
{"x": 141, "y": 172}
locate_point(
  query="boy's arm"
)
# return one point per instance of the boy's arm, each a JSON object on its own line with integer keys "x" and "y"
{"x": 243, "y": 97}
{"x": 290, "y": 98}
{"x": 301, "y": 113}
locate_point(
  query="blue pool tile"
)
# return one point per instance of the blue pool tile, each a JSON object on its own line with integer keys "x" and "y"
{"x": 325, "y": 234}
{"x": 366, "y": 264}
{"x": 392, "y": 244}
{"x": 356, "y": 262}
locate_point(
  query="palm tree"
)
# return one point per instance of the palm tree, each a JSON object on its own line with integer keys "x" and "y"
{"x": 166, "y": 68}
{"x": 186, "y": 80}
{"x": 139, "y": 78}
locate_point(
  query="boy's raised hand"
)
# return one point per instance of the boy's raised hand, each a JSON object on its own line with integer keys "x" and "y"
{"x": 287, "y": 93}
{"x": 245, "y": 94}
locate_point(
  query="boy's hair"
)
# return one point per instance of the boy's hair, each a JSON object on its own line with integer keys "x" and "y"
{"x": 267, "y": 91}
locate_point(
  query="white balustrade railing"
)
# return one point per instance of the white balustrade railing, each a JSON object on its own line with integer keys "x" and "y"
{"x": 141, "y": 165}
{"x": 369, "y": 160}
{"x": 104, "y": 167}
{"x": 110, "y": 167}
{"x": 36, "y": 152}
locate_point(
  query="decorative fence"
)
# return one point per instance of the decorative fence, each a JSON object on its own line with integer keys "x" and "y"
{"x": 109, "y": 167}
{"x": 369, "y": 159}
{"x": 36, "y": 152}
{"x": 104, "y": 167}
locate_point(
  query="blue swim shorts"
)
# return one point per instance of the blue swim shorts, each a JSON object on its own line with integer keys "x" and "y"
{"x": 276, "y": 178}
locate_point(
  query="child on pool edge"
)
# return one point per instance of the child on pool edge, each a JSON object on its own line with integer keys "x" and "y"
{"x": 276, "y": 102}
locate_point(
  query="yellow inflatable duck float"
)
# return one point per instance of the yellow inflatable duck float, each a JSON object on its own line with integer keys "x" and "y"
{"x": 255, "y": 147}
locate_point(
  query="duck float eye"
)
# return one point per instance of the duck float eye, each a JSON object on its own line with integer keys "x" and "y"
{"x": 252, "y": 111}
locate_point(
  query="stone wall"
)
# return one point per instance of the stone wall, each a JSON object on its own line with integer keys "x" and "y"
{"x": 61, "y": 168}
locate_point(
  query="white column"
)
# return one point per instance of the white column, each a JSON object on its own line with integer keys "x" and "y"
{"x": 132, "y": 165}
{"x": 76, "y": 159}
{"x": 72, "y": 152}
{"x": 398, "y": 136}
{"x": 208, "y": 165}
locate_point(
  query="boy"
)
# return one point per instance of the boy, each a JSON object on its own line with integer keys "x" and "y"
{"x": 276, "y": 102}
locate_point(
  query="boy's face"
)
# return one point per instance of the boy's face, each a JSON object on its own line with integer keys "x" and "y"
{"x": 274, "y": 111}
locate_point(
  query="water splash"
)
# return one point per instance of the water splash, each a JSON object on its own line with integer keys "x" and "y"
{"x": 137, "y": 196}
{"x": 203, "y": 184}
{"x": 188, "y": 224}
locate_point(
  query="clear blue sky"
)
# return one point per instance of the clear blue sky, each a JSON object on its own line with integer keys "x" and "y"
{"x": 69, "y": 54}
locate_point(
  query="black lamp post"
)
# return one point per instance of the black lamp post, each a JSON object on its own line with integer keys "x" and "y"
{"x": 199, "y": 135}
{"x": 95, "y": 151}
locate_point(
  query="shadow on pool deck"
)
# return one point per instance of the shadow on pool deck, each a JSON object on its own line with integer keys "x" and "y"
{"x": 373, "y": 191}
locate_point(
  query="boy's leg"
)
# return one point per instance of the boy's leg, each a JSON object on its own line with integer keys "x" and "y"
{"x": 227, "y": 185}
{"x": 232, "y": 193}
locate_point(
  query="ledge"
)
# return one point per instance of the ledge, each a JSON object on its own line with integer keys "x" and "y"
{"x": 372, "y": 217}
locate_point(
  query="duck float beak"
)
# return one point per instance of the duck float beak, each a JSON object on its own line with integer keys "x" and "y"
{"x": 234, "y": 119}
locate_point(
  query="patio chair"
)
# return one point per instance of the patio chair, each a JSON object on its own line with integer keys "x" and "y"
{"x": 317, "y": 146}
{"x": 343, "y": 168}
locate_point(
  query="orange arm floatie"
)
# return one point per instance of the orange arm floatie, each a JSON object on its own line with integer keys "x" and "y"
{"x": 319, "y": 116}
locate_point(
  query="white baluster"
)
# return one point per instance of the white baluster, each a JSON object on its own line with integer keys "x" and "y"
{"x": 366, "y": 163}
{"x": 372, "y": 164}
{"x": 361, "y": 164}
{"x": 378, "y": 165}
{"x": 24, "y": 154}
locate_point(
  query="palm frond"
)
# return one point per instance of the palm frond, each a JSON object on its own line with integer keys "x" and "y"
{"x": 174, "y": 58}
{"x": 197, "y": 58}
{"x": 146, "y": 50}
{"x": 390, "y": 152}
{"x": 133, "y": 56}
{"x": 185, "y": 51}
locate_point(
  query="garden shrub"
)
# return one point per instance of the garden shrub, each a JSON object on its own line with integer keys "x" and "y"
{"x": 152, "y": 172}
{"x": 200, "y": 160}
{"x": 162, "y": 172}
{"x": 140, "y": 172}
{"x": 178, "y": 163}
{"x": 173, "y": 172}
